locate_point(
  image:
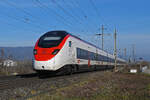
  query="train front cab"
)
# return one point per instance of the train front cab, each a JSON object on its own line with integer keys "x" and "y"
{"x": 49, "y": 51}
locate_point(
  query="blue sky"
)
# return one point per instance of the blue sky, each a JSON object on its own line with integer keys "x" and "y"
{"x": 24, "y": 21}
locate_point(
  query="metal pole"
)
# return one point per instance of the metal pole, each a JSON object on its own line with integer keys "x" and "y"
{"x": 102, "y": 37}
{"x": 115, "y": 49}
{"x": 125, "y": 53}
{"x": 133, "y": 53}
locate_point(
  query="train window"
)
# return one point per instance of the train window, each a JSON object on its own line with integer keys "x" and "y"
{"x": 78, "y": 53}
{"x": 51, "y": 38}
{"x": 84, "y": 54}
{"x": 70, "y": 43}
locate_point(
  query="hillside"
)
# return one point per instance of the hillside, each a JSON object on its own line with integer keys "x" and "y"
{"x": 18, "y": 53}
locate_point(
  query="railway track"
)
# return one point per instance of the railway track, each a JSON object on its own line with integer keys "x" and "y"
{"x": 4, "y": 85}
{"x": 10, "y": 82}
{"x": 5, "y": 81}
{"x": 31, "y": 82}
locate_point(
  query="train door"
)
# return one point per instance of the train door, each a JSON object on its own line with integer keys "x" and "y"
{"x": 96, "y": 57}
{"x": 71, "y": 51}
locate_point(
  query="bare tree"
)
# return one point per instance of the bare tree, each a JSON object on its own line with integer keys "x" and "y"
{"x": 2, "y": 54}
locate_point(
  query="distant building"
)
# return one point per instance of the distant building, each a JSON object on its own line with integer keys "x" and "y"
{"x": 9, "y": 63}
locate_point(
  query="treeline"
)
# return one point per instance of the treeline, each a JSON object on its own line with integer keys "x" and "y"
{"x": 16, "y": 53}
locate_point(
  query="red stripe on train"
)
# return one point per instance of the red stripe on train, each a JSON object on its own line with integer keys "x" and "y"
{"x": 45, "y": 54}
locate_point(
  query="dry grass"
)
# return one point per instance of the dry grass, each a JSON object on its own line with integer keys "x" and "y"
{"x": 22, "y": 67}
{"x": 113, "y": 86}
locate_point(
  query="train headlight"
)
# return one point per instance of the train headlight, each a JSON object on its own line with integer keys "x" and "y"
{"x": 35, "y": 51}
{"x": 55, "y": 51}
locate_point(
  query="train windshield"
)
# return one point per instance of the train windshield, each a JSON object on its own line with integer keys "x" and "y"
{"x": 51, "y": 39}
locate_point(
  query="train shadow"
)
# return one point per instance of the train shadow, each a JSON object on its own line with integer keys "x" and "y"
{"x": 52, "y": 75}
{"x": 40, "y": 76}
{"x": 30, "y": 75}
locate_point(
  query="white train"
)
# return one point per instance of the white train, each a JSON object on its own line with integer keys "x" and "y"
{"x": 63, "y": 52}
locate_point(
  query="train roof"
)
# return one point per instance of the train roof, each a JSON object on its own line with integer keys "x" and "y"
{"x": 66, "y": 33}
{"x": 92, "y": 45}
{"x": 87, "y": 42}
{"x": 60, "y": 32}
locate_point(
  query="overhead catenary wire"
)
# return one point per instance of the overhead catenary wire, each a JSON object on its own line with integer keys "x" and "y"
{"x": 75, "y": 18}
{"x": 75, "y": 14}
{"x": 95, "y": 8}
{"x": 21, "y": 20}
{"x": 65, "y": 11}
{"x": 73, "y": 11}
{"x": 98, "y": 13}
{"x": 75, "y": 3}
{"x": 25, "y": 12}
{"x": 85, "y": 16}
{"x": 18, "y": 8}
{"x": 12, "y": 25}
{"x": 78, "y": 5}
{"x": 45, "y": 8}
{"x": 29, "y": 20}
